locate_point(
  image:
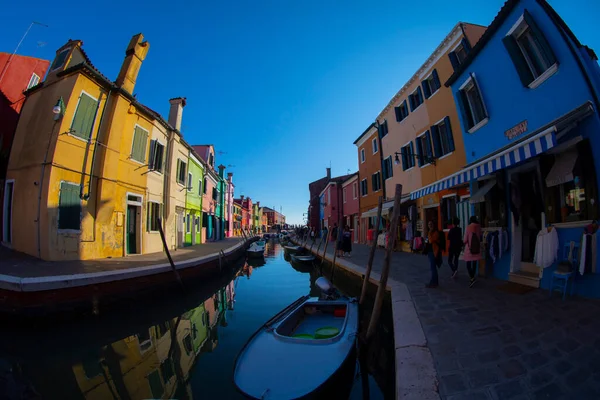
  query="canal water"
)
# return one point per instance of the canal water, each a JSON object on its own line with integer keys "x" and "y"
{"x": 180, "y": 345}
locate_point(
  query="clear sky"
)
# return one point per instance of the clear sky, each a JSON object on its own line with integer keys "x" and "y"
{"x": 282, "y": 88}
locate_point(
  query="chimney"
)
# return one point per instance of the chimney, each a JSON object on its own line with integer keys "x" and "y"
{"x": 229, "y": 176}
{"x": 328, "y": 173}
{"x": 221, "y": 170}
{"x": 134, "y": 56}
{"x": 176, "y": 112}
{"x": 258, "y": 204}
{"x": 242, "y": 198}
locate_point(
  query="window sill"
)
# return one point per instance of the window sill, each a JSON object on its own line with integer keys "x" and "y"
{"x": 375, "y": 152}
{"x": 408, "y": 169}
{"x": 136, "y": 161}
{"x": 153, "y": 232}
{"x": 433, "y": 94}
{"x": 540, "y": 79}
{"x": 445, "y": 155}
{"x": 86, "y": 141}
{"x": 68, "y": 231}
{"x": 426, "y": 165}
{"x": 478, "y": 125}
{"x": 419, "y": 106}
{"x": 156, "y": 171}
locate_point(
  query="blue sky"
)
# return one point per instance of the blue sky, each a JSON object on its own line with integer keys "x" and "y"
{"x": 282, "y": 88}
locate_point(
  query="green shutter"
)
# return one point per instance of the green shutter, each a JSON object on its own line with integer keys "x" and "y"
{"x": 153, "y": 155}
{"x": 84, "y": 117}
{"x": 69, "y": 206}
{"x": 140, "y": 140}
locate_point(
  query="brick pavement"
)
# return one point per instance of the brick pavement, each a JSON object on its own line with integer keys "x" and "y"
{"x": 489, "y": 344}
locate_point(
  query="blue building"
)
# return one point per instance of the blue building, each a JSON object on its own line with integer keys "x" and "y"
{"x": 527, "y": 96}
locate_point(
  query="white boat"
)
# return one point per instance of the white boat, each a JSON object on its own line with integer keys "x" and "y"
{"x": 292, "y": 249}
{"x": 302, "y": 258}
{"x": 303, "y": 351}
{"x": 256, "y": 249}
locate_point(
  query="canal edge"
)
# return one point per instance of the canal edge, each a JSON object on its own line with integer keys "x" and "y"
{"x": 416, "y": 376}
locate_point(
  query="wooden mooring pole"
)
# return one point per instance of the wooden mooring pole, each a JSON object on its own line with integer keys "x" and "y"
{"x": 338, "y": 240}
{"x": 371, "y": 255}
{"x": 164, "y": 241}
{"x": 385, "y": 271}
{"x": 326, "y": 243}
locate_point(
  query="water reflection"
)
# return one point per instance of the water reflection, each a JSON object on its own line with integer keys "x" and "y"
{"x": 180, "y": 355}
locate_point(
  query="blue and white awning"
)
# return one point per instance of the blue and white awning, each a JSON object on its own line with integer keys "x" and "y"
{"x": 521, "y": 151}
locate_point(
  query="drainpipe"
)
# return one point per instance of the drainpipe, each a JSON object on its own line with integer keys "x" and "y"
{"x": 381, "y": 161}
{"x": 41, "y": 185}
{"x": 89, "y": 192}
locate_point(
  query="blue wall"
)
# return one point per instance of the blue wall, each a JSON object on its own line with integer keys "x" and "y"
{"x": 507, "y": 101}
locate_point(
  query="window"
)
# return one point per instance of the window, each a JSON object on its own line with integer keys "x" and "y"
{"x": 181, "y": 170}
{"x": 166, "y": 369}
{"x": 189, "y": 181}
{"x": 211, "y": 160}
{"x": 376, "y": 181}
{"x": 530, "y": 52}
{"x": 408, "y": 156}
{"x": 362, "y": 155}
{"x": 382, "y": 129}
{"x": 138, "y": 149}
{"x": 188, "y": 224}
{"x": 157, "y": 151}
{"x": 204, "y": 186}
{"x": 431, "y": 84}
{"x": 401, "y": 111}
{"x": 85, "y": 115}
{"x": 35, "y": 79}
{"x": 214, "y": 194}
{"x": 156, "y": 386}
{"x": 354, "y": 190}
{"x": 424, "y": 152}
{"x": 69, "y": 206}
{"x": 415, "y": 99}
{"x": 154, "y": 213}
{"x": 364, "y": 189}
{"x": 441, "y": 135}
{"x": 448, "y": 211}
{"x": 375, "y": 147}
{"x": 388, "y": 172}
{"x": 471, "y": 103}
{"x": 459, "y": 54}
{"x": 60, "y": 59}
{"x": 200, "y": 189}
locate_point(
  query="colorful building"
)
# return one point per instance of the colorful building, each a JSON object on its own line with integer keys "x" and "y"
{"x": 420, "y": 140}
{"x": 220, "y": 210}
{"x": 237, "y": 218}
{"x": 530, "y": 139}
{"x": 193, "y": 200}
{"x": 229, "y": 214}
{"x": 332, "y": 201}
{"x": 314, "y": 204}
{"x": 17, "y": 74}
{"x": 351, "y": 204}
{"x": 369, "y": 181}
{"x": 211, "y": 205}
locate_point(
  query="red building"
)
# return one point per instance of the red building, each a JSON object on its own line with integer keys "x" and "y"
{"x": 350, "y": 205}
{"x": 315, "y": 188}
{"x": 333, "y": 205}
{"x": 17, "y": 74}
{"x": 246, "y": 205}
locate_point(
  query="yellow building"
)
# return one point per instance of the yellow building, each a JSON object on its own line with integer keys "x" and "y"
{"x": 88, "y": 162}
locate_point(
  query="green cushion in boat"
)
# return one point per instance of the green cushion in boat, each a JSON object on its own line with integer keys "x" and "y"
{"x": 303, "y": 336}
{"x": 326, "y": 332}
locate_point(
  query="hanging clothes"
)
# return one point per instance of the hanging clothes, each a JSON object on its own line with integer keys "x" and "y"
{"x": 515, "y": 202}
{"x": 546, "y": 248}
{"x": 409, "y": 232}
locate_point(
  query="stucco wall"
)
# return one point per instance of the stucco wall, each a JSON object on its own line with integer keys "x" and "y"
{"x": 371, "y": 165}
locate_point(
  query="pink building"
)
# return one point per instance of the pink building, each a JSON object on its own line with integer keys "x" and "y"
{"x": 350, "y": 204}
{"x": 333, "y": 202}
{"x": 229, "y": 205}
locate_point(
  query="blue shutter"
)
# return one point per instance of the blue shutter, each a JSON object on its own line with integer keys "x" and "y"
{"x": 437, "y": 146}
{"x": 449, "y": 133}
{"x": 453, "y": 60}
{"x": 463, "y": 104}
{"x": 436, "y": 79}
{"x": 429, "y": 150}
{"x": 404, "y": 159}
{"x": 541, "y": 39}
{"x": 420, "y": 152}
{"x": 426, "y": 88}
{"x": 398, "y": 114}
{"x": 412, "y": 155}
{"x": 420, "y": 94}
{"x": 385, "y": 126}
{"x": 518, "y": 60}
{"x": 390, "y": 167}
{"x": 466, "y": 45}
{"x": 405, "y": 109}
{"x": 412, "y": 104}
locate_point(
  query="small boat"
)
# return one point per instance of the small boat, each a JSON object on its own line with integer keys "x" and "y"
{"x": 302, "y": 257}
{"x": 292, "y": 249}
{"x": 256, "y": 249}
{"x": 305, "y": 350}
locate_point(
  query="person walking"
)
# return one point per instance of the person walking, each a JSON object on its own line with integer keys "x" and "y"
{"x": 472, "y": 254}
{"x": 456, "y": 245}
{"x": 347, "y": 241}
{"x": 434, "y": 253}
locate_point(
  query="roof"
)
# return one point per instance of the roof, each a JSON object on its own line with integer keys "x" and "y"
{"x": 504, "y": 12}
{"x": 350, "y": 177}
{"x": 365, "y": 132}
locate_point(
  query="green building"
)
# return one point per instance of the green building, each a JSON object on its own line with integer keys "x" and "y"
{"x": 193, "y": 201}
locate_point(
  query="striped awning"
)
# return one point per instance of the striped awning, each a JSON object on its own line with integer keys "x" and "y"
{"x": 521, "y": 151}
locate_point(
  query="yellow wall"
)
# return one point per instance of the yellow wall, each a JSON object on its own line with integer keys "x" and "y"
{"x": 155, "y": 190}
{"x": 176, "y": 207}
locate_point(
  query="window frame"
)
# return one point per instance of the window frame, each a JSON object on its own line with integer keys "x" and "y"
{"x": 67, "y": 50}
{"x": 344, "y": 195}
{"x": 375, "y": 145}
{"x": 388, "y": 168}
{"x": 200, "y": 187}
{"x": 448, "y": 128}
{"x": 151, "y": 155}
{"x": 379, "y": 182}
{"x": 68, "y": 230}
{"x": 150, "y": 213}
{"x": 364, "y": 191}
{"x": 29, "y": 85}
{"x": 69, "y": 133}
{"x": 143, "y": 162}
{"x": 355, "y": 190}
{"x": 416, "y": 92}
{"x": 190, "y": 180}
{"x": 410, "y": 157}
{"x": 430, "y": 81}
{"x": 399, "y": 109}
{"x": 362, "y": 155}
{"x": 188, "y": 223}
{"x": 178, "y": 171}
{"x": 471, "y": 82}
{"x": 425, "y": 156}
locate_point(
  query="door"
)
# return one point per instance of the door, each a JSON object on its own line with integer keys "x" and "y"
{"x": 180, "y": 223}
{"x": 431, "y": 214}
{"x": 531, "y": 213}
{"x": 7, "y": 212}
{"x": 355, "y": 229}
{"x": 463, "y": 211}
{"x": 131, "y": 237}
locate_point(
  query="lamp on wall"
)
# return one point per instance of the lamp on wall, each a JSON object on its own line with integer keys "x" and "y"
{"x": 426, "y": 159}
{"x": 59, "y": 109}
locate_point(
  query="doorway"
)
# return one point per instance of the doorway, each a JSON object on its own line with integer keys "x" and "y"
{"x": 431, "y": 214}
{"x": 131, "y": 234}
{"x": 355, "y": 229}
{"x": 531, "y": 213}
{"x": 463, "y": 211}
{"x": 7, "y": 212}
{"x": 180, "y": 226}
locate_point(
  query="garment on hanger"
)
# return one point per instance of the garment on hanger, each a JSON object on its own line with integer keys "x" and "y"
{"x": 515, "y": 202}
{"x": 546, "y": 248}
{"x": 409, "y": 231}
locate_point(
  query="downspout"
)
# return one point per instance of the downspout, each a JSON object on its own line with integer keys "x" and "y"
{"x": 381, "y": 160}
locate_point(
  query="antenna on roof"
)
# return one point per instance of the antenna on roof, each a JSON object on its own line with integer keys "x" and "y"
{"x": 17, "y": 48}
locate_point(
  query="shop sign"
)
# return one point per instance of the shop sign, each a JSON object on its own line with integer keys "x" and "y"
{"x": 516, "y": 130}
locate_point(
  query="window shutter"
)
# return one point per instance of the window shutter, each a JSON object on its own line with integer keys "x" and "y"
{"x": 428, "y": 151}
{"x": 84, "y": 117}
{"x": 539, "y": 35}
{"x": 466, "y": 45}
{"x": 449, "y": 133}
{"x": 153, "y": 153}
{"x": 69, "y": 206}
{"x": 398, "y": 114}
{"x": 453, "y": 60}
{"x": 390, "y": 167}
{"x": 437, "y": 146}
{"x": 385, "y": 126}
{"x": 373, "y": 182}
{"x": 420, "y": 94}
{"x": 518, "y": 60}
{"x": 426, "y": 88}
{"x": 480, "y": 96}
{"x": 412, "y": 154}
{"x": 436, "y": 79}
{"x": 178, "y": 168}
{"x": 463, "y": 104}
{"x": 140, "y": 140}
{"x": 420, "y": 152}
{"x": 412, "y": 103}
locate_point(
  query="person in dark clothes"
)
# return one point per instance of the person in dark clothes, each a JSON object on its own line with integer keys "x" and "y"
{"x": 434, "y": 253}
{"x": 347, "y": 241}
{"x": 456, "y": 245}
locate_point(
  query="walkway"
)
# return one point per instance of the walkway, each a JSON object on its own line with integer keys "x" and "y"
{"x": 490, "y": 344}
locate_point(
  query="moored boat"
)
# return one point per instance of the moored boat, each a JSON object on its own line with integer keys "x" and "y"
{"x": 292, "y": 249}
{"x": 302, "y": 350}
{"x": 256, "y": 249}
{"x": 302, "y": 257}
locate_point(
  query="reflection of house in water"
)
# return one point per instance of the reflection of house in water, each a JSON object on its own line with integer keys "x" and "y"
{"x": 230, "y": 294}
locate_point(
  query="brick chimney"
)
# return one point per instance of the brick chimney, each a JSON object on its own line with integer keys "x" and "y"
{"x": 242, "y": 198}
{"x": 328, "y": 173}
{"x": 134, "y": 56}
{"x": 176, "y": 112}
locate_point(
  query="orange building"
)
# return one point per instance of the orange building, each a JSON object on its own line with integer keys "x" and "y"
{"x": 421, "y": 138}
